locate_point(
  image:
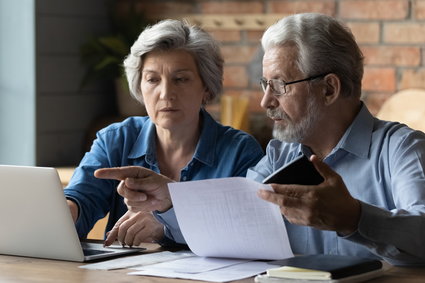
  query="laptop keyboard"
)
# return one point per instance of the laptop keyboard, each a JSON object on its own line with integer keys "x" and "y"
{"x": 88, "y": 252}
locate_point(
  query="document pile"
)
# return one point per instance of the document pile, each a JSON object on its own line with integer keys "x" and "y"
{"x": 226, "y": 226}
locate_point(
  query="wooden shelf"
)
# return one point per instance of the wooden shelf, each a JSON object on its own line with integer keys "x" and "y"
{"x": 230, "y": 22}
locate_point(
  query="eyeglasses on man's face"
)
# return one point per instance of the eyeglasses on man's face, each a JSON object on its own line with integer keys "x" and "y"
{"x": 278, "y": 87}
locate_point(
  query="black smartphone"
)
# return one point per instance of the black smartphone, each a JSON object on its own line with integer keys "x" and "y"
{"x": 299, "y": 171}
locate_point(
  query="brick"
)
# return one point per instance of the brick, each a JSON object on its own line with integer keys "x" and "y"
{"x": 235, "y": 76}
{"x": 374, "y": 101}
{"x": 419, "y": 9}
{"x": 374, "y": 9}
{"x": 365, "y": 32}
{"x": 238, "y": 54}
{"x": 392, "y": 55}
{"x": 157, "y": 9}
{"x": 226, "y": 36}
{"x": 254, "y": 36}
{"x": 232, "y": 7}
{"x": 327, "y": 7}
{"x": 412, "y": 78}
{"x": 404, "y": 33}
{"x": 379, "y": 79}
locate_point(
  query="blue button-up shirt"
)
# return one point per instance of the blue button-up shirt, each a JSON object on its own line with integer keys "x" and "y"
{"x": 221, "y": 152}
{"x": 382, "y": 164}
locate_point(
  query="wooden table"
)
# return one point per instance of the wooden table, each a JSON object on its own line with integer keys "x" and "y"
{"x": 23, "y": 269}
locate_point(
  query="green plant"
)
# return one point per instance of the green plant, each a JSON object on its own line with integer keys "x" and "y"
{"x": 103, "y": 55}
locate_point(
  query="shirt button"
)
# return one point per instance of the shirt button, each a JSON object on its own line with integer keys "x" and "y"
{"x": 184, "y": 178}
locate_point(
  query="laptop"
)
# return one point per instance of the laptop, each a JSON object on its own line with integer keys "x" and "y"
{"x": 36, "y": 220}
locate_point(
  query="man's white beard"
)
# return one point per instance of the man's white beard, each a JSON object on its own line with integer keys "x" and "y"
{"x": 291, "y": 132}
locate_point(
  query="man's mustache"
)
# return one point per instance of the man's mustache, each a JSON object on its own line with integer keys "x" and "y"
{"x": 276, "y": 114}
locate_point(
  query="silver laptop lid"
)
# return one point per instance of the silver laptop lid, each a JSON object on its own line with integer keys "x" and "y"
{"x": 34, "y": 215}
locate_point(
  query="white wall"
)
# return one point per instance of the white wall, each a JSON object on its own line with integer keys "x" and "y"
{"x": 17, "y": 82}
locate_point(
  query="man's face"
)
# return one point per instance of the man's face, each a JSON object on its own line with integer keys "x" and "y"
{"x": 296, "y": 112}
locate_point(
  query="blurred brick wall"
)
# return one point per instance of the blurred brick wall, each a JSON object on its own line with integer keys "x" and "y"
{"x": 391, "y": 33}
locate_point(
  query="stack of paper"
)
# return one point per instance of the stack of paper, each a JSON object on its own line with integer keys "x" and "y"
{"x": 227, "y": 226}
{"x": 206, "y": 269}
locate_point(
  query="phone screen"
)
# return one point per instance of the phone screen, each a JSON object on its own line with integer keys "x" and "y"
{"x": 299, "y": 171}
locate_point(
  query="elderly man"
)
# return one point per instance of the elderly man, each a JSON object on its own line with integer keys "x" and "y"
{"x": 372, "y": 200}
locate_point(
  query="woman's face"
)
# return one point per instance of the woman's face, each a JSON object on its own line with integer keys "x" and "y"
{"x": 172, "y": 89}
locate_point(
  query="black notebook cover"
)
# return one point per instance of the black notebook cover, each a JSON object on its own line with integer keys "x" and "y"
{"x": 338, "y": 265}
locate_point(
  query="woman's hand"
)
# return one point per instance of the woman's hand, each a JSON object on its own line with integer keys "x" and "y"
{"x": 134, "y": 228}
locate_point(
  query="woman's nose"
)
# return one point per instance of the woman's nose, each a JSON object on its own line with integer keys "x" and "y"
{"x": 167, "y": 90}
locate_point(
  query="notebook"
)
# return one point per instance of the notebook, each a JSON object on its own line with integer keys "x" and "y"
{"x": 36, "y": 220}
{"x": 323, "y": 268}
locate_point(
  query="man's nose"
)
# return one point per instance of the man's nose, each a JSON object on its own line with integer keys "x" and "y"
{"x": 269, "y": 100}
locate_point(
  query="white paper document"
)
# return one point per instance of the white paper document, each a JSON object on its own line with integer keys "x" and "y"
{"x": 225, "y": 218}
{"x": 140, "y": 260}
{"x": 193, "y": 264}
{"x": 225, "y": 274}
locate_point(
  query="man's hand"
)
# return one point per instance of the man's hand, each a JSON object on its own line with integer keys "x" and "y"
{"x": 142, "y": 189}
{"x": 327, "y": 206}
{"x": 134, "y": 228}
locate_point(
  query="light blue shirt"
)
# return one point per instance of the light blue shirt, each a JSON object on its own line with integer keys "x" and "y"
{"x": 221, "y": 152}
{"x": 382, "y": 164}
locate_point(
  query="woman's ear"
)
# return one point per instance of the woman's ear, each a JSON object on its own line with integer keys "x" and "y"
{"x": 332, "y": 88}
{"x": 206, "y": 96}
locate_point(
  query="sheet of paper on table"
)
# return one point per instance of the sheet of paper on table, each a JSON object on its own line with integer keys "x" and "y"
{"x": 225, "y": 218}
{"x": 225, "y": 274}
{"x": 137, "y": 260}
{"x": 193, "y": 264}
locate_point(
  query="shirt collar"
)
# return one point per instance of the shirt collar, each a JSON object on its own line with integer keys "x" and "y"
{"x": 145, "y": 142}
{"x": 205, "y": 150}
{"x": 357, "y": 138}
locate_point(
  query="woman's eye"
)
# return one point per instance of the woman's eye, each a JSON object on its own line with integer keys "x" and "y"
{"x": 152, "y": 80}
{"x": 181, "y": 80}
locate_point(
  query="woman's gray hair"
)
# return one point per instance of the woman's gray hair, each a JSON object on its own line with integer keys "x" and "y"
{"x": 324, "y": 45}
{"x": 173, "y": 35}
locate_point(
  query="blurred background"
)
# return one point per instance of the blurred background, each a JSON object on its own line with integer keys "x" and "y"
{"x": 60, "y": 63}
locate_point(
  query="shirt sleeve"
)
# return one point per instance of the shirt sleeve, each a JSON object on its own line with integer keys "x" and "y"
{"x": 392, "y": 236}
{"x": 397, "y": 234}
{"x": 92, "y": 195}
{"x": 172, "y": 230}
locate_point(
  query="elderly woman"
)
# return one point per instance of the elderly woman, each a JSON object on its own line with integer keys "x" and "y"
{"x": 175, "y": 69}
